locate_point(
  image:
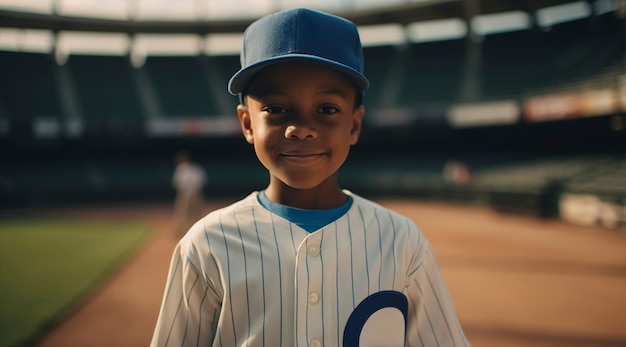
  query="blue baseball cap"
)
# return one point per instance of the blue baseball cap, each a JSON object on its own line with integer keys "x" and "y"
{"x": 300, "y": 35}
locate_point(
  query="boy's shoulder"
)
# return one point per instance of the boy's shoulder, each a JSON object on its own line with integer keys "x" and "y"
{"x": 242, "y": 206}
{"x": 236, "y": 213}
{"x": 378, "y": 219}
{"x": 376, "y": 208}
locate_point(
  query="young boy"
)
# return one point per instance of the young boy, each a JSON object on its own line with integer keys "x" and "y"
{"x": 303, "y": 262}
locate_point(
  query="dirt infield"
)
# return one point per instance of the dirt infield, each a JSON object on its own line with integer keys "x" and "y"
{"x": 516, "y": 281}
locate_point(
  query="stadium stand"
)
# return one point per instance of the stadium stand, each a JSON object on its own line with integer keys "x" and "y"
{"x": 561, "y": 55}
{"x": 519, "y": 49}
{"x": 584, "y": 47}
{"x": 526, "y": 166}
{"x": 434, "y": 73}
{"x": 28, "y": 85}
{"x": 384, "y": 80}
{"x": 221, "y": 67}
{"x": 105, "y": 87}
{"x": 180, "y": 83}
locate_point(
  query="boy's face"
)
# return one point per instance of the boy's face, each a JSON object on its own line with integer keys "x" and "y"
{"x": 301, "y": 118}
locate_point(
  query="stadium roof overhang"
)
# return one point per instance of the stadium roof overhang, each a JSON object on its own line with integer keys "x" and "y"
{"x": 400, "y": 14}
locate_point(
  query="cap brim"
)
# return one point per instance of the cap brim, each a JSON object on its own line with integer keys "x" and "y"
{"x": 240, "y": 80}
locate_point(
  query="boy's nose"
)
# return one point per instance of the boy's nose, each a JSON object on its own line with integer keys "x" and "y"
{"x": 300, "y": 131}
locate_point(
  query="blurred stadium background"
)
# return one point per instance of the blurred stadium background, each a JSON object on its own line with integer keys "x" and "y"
{"x": 519, "y": 105}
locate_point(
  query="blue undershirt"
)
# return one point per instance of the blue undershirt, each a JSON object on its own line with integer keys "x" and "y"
{"x": 309, "y": 220}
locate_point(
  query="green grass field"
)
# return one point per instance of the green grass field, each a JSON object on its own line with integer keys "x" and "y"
{"x": 49, "y": 266}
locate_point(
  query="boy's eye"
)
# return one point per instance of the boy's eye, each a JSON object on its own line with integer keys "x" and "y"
{"x": 274, "y": 109}
{"x": 328, "y": 109}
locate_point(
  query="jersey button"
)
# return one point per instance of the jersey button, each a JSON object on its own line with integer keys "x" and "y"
{"x": 313, "y": 251}
{"x": 314, "y": 298}
{"x": 316, "y": 343}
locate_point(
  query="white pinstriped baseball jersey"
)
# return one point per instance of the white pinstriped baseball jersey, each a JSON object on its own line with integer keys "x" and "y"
{"x": 243, "y": 276}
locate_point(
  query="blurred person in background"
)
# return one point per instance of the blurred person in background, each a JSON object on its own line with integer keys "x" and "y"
{"x": 189, "y": 180}
{"x": 457, "y": 172}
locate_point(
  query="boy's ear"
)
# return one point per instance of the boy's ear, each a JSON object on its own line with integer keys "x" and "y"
{"x": 245, "y": 123}
{"x": 357, "y": 122}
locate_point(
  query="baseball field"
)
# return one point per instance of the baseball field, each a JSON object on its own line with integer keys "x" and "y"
{"x": 516, "y": 280}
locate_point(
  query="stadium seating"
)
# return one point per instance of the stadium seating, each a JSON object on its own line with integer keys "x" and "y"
{"x": 520, "y": 62}
{"x": 520, "y": 167}
{"x": 383, "y": 90}
{"x": 501, "y": 52}
{"x": 416, "y": 75}
{"x": 181, "y": 86}
{"x": 105, "y": 88}
{"x": 223, "y": 67}
{"x": 28, "y": 87}
{"x": 434, "y": 73}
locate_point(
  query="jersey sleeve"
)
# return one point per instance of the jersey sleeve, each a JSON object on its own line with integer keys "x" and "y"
{"x": 190, "y": 307}
{"x": 432, "y": 316}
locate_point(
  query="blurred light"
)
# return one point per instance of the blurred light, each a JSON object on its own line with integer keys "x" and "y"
{"x": 113, "y": 9}
{"x": 74, "y": 42}
{"x": 590, "y": 210}
{"x": 392, "y": 117}
{"x": 44, "y": 6}
{"x": 74, "y": 128}
{"x": 484, "y": 114}
{"x": 167, "y": 10}
{"x": 137, "y": 59}
{"x": 28, "y": 40}
{"x": 46, "y": 128}
{"x": 444, "y": 29}
{"x": 500, "y": 22}
{"x": 9, "y": 39}
{"x": 36, "y": 41}
{"x": 156, "y": 44}
{"x": 193, "y": 127}
{"x": 549, "y": 16}
{"x": 228, "y": 44}
{"x": 604, "y": 6}
{"x": 387, "y": 34}
{"x": 582, "y": 103}
{"x": 240, "y": 9}
{"x": 60, "y": 56}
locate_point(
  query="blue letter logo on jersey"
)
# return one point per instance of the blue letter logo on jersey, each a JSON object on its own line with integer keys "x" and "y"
{"x": 379, "y": 320}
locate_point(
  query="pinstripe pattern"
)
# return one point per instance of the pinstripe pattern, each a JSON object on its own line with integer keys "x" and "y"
{"x": 243, "y": 276}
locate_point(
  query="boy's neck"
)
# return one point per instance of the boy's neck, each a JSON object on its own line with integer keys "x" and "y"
{"x": 322, "y": 197}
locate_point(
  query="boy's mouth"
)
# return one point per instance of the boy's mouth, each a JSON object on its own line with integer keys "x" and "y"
{"x": 303, "y": 157}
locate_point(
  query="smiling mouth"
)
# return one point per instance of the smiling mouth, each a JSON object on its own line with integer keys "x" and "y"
{"x": 302, "y": 157}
